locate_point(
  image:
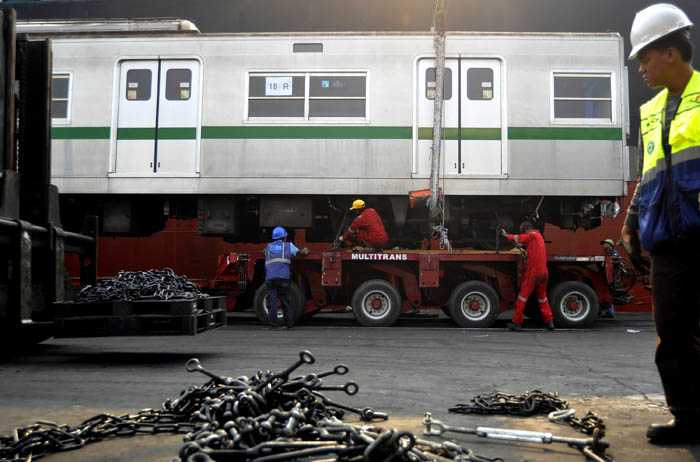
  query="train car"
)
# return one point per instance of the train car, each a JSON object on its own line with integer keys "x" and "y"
{"x": 250, "y": 131}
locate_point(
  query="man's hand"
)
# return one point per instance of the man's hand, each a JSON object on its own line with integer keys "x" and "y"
{"x": 304, "y": 251}
{"x": 503, "y": 232}
{"x": 629, "y": 241}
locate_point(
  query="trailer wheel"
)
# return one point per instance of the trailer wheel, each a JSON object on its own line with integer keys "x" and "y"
{"x": 376, "y": 303}
{"x": 574, "y": 304}
{"x": 296, "y": 296}
{"x": 474, "y": 304}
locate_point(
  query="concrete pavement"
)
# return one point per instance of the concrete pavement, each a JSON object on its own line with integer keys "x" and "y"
{"x": 422, "y": 364}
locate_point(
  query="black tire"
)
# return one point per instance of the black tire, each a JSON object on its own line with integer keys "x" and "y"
{"x": 376, "y": 303}
{"x": 474, "y": 304}
{"x": 574, "y": 304}
{"x": 296, "y": 296}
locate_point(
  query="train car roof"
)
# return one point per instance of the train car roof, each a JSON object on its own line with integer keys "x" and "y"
{"x": 157, "y": 27}
{"x": 107, "y": 27}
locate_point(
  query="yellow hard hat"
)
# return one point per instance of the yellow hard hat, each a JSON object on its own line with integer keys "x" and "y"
{"x": 358, "y": 204}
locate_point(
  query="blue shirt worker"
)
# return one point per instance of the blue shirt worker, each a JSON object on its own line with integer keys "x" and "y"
{"x": 664, "y": 214}
{"x": 278, "y": 260}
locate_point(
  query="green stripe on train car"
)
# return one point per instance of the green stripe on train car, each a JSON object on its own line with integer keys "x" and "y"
{"x": 426, "y": 133}
{"x": 306, "y": 132}
{"x": 339, "y": 132}
{"x": 164, "y": 133}
{"x": 181, "y": 133}
{"x": 148, "y": 133}
{"x": 80, "y": 133}
{"x": 564, "y": 133}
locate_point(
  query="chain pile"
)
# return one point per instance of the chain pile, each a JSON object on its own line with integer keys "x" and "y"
{"x": 265, "y": 418}
{"x": 153, "y": 284}
{"x": 530, "y": 403}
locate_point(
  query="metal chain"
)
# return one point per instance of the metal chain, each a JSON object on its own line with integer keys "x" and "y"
{"x": 266, "y": 418}
{"x": 153, "y": 284}
{"x": 535, "y": 402}
{"x": 529, "y": 403}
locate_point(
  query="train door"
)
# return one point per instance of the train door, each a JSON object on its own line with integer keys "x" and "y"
{"x": 473, "y": 117}
{"x": 158, "y": 117}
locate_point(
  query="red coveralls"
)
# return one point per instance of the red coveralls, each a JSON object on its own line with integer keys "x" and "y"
{"x": 369, "y": 228}
{"x": 536, "y": 275}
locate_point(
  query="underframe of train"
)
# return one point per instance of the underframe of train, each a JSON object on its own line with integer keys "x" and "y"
{"x": 472, "y": 221}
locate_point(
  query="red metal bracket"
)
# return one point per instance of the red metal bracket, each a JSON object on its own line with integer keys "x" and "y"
{"x": 429, "y": 270}
{"x": 331, "y": 269}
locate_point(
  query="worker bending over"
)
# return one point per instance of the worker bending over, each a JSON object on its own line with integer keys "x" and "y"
{"x": 367, "y": 228}
{"x": 536, "y": 275}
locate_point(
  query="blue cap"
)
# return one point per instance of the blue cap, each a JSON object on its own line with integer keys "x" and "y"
{"x": 278, "y": 233}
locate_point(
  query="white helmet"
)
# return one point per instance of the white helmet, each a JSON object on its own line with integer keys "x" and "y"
{"x": 654, "y": 22}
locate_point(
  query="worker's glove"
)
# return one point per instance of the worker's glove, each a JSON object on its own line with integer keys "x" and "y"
{"x": 503, "y": 232}
{"x": 340, "y": 238}
{"x": 304, "y": 251}
{"x": 633, "y": 248}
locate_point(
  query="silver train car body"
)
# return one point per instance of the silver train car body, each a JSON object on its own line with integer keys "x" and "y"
{"x": 247, "y": 131}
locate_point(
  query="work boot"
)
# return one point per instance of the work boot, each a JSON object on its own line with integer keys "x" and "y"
{"x": 550, "y": 326}
{"x": 514, "y": 326}
{"x": 676, "y": 431}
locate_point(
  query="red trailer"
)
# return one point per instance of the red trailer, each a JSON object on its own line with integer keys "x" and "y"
{"x": 471, "y": 286}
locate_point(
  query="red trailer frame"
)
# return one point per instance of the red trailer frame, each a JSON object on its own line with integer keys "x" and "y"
{"x": 472, "y": 286}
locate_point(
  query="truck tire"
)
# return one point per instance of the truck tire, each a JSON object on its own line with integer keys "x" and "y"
{"x": 574, "y": 304}
{"x": 474, "y": 304}
{"x": 296, "y": 296}
{"x": 376, "y": 303}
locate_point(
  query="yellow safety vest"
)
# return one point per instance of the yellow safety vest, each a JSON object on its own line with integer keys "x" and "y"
{"x": 669, "y": 186}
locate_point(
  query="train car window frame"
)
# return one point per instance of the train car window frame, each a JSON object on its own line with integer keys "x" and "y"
{"x": 309, "y": 99}
{"x": 275, "y": 94}
{"x": 134, "y": 91}
{"x": 173, "y": 85}
{"x": 555, "y": 98}
{"x": 336, "y": 98}
{"x": 446, "y": 85}
{"x": 69, "y": 97}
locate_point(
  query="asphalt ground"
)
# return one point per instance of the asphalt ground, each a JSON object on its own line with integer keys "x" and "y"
{"x": 423, "y": 364}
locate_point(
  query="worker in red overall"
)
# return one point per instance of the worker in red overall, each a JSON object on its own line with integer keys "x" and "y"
{"x": 367, "y": 227}
{"x": 536, "y": 275}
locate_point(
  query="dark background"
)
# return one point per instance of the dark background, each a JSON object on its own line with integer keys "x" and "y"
{"x": 376, "y": 15}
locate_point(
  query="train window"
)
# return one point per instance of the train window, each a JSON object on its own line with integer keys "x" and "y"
{"x": 582, "y": 96}
{"x": 337, "y": 108}
{"x": 337, "y": 95}
{"x": 177, "y": 84}
{"x": 307, "y": 95}
{"x": 276, "y": 95}
{"x": 480, "y": 83}
{"x": 138, "y": 85}
{"x": 430, "y": 83}
{"x": 60, "y": 96}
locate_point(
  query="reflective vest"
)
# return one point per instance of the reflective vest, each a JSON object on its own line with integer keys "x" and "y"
{"x": 668, "y": 206}
{"x": 277, "y": 260}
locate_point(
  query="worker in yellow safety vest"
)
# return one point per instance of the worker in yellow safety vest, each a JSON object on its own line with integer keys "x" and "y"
{"x": 665, "y": 210}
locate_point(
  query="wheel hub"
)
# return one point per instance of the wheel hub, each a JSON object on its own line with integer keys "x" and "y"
{"x": 475, "y": 306}
{"x": 376, "y": 304}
